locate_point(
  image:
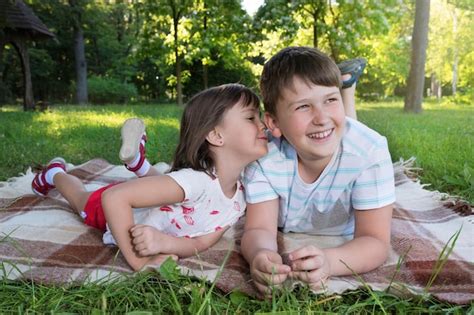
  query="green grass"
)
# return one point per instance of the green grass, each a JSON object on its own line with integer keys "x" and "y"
{"x": 440, "y": 138}
{"x": 146, "y": 293}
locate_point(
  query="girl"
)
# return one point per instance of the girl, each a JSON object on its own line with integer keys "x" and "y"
{"x": 221, "y": 133}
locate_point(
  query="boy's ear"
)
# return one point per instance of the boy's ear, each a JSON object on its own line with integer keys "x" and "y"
{"x": 272, "y": 124}
{"x": 215, "y": 138}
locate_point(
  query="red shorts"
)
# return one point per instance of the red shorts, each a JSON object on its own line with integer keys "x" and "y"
{"x": 94, "y": 212}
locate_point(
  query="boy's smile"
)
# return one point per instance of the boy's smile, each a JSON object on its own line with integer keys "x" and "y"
{"x": 311, "y": 118}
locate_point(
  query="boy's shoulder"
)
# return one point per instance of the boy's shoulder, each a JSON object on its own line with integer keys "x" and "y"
{"x": 279, "y": 151}
{"x": 360, "y": 140}
{"x": 279, "y": 159}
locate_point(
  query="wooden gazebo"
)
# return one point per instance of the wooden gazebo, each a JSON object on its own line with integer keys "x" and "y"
{"x": 18, "y": 25}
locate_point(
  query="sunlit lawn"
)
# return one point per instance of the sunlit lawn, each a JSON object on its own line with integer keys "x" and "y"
{"x": 441, "y": 139}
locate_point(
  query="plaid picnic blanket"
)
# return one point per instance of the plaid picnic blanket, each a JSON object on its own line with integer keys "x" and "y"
{"x": 42, "y": 239}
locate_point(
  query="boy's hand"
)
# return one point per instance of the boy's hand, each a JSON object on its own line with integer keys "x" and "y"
{"x": 268, "y": 271}
{"x": 146, "y": 240}
{"x": 309, "y": 264}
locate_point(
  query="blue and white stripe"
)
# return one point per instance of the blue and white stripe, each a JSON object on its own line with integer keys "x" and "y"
{"x": 359, "y": 176}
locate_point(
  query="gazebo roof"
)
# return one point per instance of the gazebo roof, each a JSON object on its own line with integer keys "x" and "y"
{"x": 20, "y": 19}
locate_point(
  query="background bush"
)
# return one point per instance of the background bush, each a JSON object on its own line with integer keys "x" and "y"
{"x": 109, "y": 90}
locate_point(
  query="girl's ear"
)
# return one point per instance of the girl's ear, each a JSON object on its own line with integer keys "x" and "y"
{"x": 215, "y": 138}
{"x": 272, "y": 125}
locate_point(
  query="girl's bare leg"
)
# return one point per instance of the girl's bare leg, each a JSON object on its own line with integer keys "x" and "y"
{"x": 73, "y": 190}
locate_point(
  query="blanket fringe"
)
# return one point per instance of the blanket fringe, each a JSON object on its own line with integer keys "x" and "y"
{"x": 17, "y": 186}
{"x": 408, "y": 168}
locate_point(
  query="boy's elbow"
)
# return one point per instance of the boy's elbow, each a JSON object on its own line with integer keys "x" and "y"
{"x": 384, "y": 250}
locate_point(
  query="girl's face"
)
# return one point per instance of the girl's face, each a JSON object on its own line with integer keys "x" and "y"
{"x": 243, "y": 133}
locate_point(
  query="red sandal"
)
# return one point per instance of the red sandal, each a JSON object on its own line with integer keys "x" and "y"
{"x": 39, "y": 185}
{"x": 133, "y": 142}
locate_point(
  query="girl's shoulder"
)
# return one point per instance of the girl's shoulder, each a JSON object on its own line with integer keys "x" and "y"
{"x": 190, "y": 174}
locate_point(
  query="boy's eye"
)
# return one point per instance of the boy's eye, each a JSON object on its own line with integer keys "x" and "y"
{"x": 251, "y": 118}
{"x": 304, "y": 106}
{"x": 331, "y": 100}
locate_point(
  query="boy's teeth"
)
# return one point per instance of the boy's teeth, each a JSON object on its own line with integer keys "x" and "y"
{"x": 320, "y": 135}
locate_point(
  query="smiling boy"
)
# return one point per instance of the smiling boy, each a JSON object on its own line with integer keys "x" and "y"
{"x": 325, "y": 174}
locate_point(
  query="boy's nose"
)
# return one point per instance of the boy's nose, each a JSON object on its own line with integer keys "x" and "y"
{"x": 319, "y": 115}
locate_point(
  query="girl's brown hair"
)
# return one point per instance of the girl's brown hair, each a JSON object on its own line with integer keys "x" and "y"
{"x": 202, "y": 113}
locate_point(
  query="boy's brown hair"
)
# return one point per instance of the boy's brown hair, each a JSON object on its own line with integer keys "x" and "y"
{"x": 202, "y": 114}
{"x": 308, "y": 63}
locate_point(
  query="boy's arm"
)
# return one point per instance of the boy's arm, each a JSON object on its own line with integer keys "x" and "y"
{"x": 149, "y": 241}
{"x": 259, "y": 245}
{"x": 366, "y": 251}
{"x": 119, "y": 200}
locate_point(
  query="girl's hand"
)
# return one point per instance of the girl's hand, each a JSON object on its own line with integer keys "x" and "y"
{"x": 156, "y": 261}
{"x": 309, "y": 264}
{"x": 146, "y": 240}
{"x": 268, "y": 271}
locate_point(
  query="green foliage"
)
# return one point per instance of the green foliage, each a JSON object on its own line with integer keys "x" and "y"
{"x": 134, "y": 41}
{"x": 169, "y": 270}
{"x": 5, "y": 94}
{"x": 450, "y": 42}
{"x": 109, "y": 90}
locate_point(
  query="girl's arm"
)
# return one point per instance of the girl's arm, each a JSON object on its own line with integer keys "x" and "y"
{"x": 366, "y": 251}
{"x": 119, "y": 200}
{"x": 149, "y": 241}
{"x": 259, "y": 245}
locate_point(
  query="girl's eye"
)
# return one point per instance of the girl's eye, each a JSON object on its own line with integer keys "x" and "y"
{"x": 251, "y": 118}
{"x": 332, "y": 100}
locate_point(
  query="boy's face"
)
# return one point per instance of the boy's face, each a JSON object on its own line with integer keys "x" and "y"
{"x": 311, "y": 117}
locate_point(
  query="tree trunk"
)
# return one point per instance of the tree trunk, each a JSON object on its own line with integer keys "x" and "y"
{"x": 416, "y": 78}
{"x": 315, "y": 29}
{"x": 205, "y": 67}
{"x": 81, "y": 67}
{"x": 28, "y": 99}
{"x": 176, "y": 16}
{"x": 435, "y": 87}
{"x": 80, "y": 63}
{"x": 456, "y": 56}
{"x": 2, "y": 48}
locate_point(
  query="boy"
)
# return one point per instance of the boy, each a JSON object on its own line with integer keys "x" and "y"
{"x": 324, "y": 174}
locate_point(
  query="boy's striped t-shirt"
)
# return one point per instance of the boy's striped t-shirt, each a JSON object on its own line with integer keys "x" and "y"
{"x": 359, "y": 176}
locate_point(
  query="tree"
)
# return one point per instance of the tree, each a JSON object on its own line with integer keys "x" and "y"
{"x": 79, "y": 51}
{"x": 338, "y": 27}
{"x": 450, "y": 44}
{"x": 218, "y": 34}
{"x": 416, "y": 78}
{"x": 168, "y": 16}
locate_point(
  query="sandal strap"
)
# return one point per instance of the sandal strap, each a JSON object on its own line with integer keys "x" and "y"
{"x": 141, "y": 161}
{"x": 354, "y": 67}
{"x": 39, "y": 183}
